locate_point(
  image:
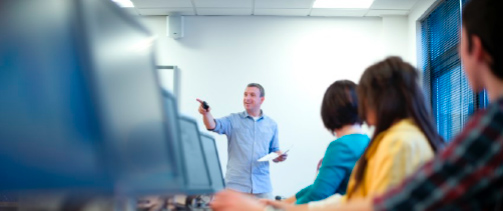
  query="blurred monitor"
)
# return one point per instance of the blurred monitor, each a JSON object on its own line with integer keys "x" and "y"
{"x": 80, "y": 103}
{"x": 197, "y": 179}
{"x": 174, "y": 133}
{"x": 211, "y": 153}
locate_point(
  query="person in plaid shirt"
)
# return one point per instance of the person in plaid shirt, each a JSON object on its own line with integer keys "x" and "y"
{"x": 468, "y": 174}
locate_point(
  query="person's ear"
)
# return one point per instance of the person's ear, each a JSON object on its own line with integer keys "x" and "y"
{"x": 477, "y": 48}
{"x": 479, "y": 52}
{"x": 262, "y": 99}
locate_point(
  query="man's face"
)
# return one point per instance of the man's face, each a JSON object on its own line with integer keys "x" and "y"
{"x": 252, "y": 99}
{"x": 470, "y": 62}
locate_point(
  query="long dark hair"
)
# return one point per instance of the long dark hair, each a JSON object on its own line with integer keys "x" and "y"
{"x": 390, "y": 88}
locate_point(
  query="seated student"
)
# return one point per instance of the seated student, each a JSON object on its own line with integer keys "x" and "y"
{"x": 391, "y": 99}
{"x": 339, "y": 113}
{"x": 468, "y": 174}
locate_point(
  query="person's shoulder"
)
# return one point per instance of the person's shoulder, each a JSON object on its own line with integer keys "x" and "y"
{"x": 403, "y": 135}
{"x": 403, "y": 131}
{"x": 406, "y": 138}
{"x": 237, "y": 115}
{"x": 338, "y": 149}
{"x": 270, "y": 120}
{"x": 351, "y": 139}
{"x": 495, "y": 108}
{"x": 491, "y": 115}
{"x": 232, "y": 117}
{"x": 343, "y": 142}
{"x": 354, "y": 137}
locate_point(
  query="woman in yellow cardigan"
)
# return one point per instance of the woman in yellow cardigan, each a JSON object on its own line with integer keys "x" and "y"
{"x": 405, "y": 137}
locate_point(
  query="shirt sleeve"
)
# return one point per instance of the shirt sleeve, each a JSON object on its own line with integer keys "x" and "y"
{"x": 469, "y": 168}
{"x": 334, "y": 169}
{"x": 274, "y": 146}
{"x": 303, "y": 192}
{"x": 223, "y": 125}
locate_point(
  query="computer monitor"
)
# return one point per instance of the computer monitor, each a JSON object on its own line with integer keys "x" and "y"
{"x": 197, "y": 179}
{"x": 174, "y": 134}
{"x": 213, "y": 160}
{"x": 80, "y": 103}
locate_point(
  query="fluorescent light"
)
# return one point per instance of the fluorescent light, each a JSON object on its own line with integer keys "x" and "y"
{"x": 343, "y": 4}
{"x": 124, "y": 3}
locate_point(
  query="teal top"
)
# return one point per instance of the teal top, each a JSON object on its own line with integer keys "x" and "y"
{"x": 338, "y": 162}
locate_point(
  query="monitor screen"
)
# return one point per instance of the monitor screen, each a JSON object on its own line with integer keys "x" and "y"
{"x": 49, "y": 129}
{"x": 173, "y": 130}
{"x": 197, "y": 175}
{"x": 172, "y": 116}
{"x": 129, "y": 94}
{"x": 80, "y": 102}
{"x": 211, "y": 153}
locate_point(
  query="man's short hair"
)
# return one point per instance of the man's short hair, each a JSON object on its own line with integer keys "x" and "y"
{"x": 483, "y": 18}
{"x": 259, "y": 87}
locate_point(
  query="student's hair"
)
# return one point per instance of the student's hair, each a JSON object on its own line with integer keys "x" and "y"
{"x": 483, "y": 18}
{"x": 259, "y": 87}
{"x": 390, "y": 88}
{"x": 340, "y": 105}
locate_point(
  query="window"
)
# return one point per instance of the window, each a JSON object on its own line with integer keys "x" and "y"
{"x": 451, "y": 97}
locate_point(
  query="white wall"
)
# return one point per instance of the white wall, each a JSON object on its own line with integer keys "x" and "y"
{"x": 395, "y": 36}
{"x": 294, "y": 58}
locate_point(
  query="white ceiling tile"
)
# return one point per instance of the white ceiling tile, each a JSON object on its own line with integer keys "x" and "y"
{"x": 386, "y": 12}
{"x": 284, "y": 4}
{"x": 166, "y": 11}
{"x": 224, "y": 11}
{"x": 223, "y": 3}
{"x": 339, "y": 12}
{"x": 156, "y": 4}
{"x": 282, "y": 12}
{"x": 393, "y": 4}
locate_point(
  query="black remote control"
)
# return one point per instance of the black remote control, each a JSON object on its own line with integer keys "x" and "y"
{"x": 205, "y": 105}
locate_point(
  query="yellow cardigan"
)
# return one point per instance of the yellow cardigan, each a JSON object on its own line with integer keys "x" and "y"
{"x": 394, "y": 154}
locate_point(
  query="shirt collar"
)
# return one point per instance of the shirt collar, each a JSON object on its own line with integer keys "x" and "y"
{"x": 245, "y": 114}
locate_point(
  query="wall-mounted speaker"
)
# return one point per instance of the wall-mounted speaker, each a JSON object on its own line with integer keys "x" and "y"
{"x": 175, "y": 26}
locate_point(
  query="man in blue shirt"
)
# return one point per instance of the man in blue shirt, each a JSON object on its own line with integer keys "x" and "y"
{"x": 251, "y": 135}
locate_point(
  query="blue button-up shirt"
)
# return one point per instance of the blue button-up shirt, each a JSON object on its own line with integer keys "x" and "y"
{"x": 248, "y": 141}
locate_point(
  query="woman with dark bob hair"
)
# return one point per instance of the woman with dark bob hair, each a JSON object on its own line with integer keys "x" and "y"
{"x": 339, "y": 112}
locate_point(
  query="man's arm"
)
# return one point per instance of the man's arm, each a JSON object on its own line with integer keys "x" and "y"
{"x": 290, "y": 200}
{"x": 274, "y": 147}
{"x": 221, "y": 126}
{"x": 208, "y": 119}
{"x": 355, "y": 205}
{"x": 274, "y": 144}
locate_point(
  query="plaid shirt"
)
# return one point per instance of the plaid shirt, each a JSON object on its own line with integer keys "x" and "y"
{"x": 468, "y": 175}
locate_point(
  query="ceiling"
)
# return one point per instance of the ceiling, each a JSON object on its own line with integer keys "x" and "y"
{"x": 265, "y": 7}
